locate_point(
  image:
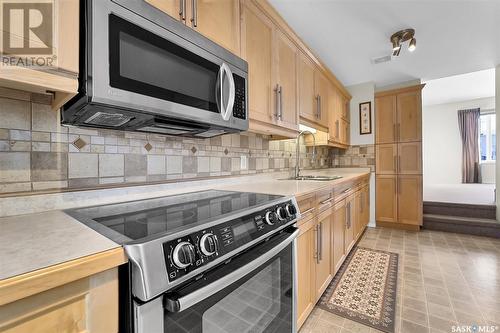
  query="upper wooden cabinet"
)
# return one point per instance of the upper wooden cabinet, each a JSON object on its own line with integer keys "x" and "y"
{"x": 217, "y": 20}
{"x": 272, "y": 66}
{"x": 386, "y": 119}
{"x": 286, "y": 61}
{"x": 409, "y": 126}
{"x": 59, "y": 76}
{"x": 321, "y": 87}
{"x": 258, "y": 35}
{"x": 307, "y": 101}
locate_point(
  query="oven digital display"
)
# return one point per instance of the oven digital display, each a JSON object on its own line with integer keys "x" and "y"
{"x": 243, "y": 229}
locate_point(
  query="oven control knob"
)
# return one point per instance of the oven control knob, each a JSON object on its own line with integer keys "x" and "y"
{"x": 270, "y": 217}
{"x": 184, "y": 255}
{"x": 290, "y": 210}
{"x": 281, "y": 213}
{"x": 208, "y": 244}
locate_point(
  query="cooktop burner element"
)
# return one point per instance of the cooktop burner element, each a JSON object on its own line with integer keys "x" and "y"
{"x": 173, "y": 239}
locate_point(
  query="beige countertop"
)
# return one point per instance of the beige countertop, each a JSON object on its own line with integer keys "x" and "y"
{"x": 38, "y": 240}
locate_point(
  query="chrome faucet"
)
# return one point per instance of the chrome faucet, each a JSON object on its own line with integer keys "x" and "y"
{"x": 297, "y": 156}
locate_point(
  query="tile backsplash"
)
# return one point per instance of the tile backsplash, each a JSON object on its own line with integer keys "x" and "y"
{"x": 37, "y": 153}
{"x": 355, "y": 157}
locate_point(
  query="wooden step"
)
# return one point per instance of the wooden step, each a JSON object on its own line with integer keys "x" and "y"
{"x": 460, "y": 209}
{"x": 463, "y": 225}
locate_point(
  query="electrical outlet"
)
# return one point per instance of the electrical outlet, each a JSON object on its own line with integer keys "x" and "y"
{"x": 243, "y": 164}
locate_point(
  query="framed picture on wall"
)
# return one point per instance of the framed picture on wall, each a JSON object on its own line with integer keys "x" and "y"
{"x": 365, "y": 118}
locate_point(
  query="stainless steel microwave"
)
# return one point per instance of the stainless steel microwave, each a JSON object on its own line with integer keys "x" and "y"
{"x": 142, "y": 70}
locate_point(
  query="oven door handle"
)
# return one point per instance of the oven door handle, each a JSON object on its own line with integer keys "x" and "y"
{"x": 185, "y": 302}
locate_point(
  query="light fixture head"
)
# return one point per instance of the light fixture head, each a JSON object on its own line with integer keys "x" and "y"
{"x": 413, "y": 45}
{"x": 400, "y": 37}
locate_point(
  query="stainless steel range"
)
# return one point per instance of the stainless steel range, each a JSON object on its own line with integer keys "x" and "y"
{"x": 211, "y": 261}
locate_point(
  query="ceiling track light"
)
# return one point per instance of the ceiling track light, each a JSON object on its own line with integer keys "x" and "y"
{"x": 400, "y": 37}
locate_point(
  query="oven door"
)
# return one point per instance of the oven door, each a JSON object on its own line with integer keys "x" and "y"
{"x": 254, "y": 292}
{"x": 140, "y": 64}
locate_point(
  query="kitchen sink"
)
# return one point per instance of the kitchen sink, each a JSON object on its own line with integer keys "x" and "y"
{"x": 318, "y": 178}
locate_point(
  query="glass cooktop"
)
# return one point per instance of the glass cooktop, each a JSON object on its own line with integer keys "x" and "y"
{"x": 134, "y": 220}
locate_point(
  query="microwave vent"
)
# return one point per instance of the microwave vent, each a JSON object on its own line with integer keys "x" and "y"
{"x": 108, "y": 119}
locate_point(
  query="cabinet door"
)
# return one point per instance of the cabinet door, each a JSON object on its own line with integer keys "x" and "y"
{"x": 324, "y": 250}
{"x": 410, "y": 199}
{"x": 409, "y": 158}
{"x": 339, "y": 226}
{"x": 305, "y": 271}
{"x": 409, "y": 116}
{"x": 258, "y": 32}
{"x": 307, "y": 103}
{"x": 386, "y": 209}
{"x": 350, "y": 223}
{"x": 334, "y": 114}
{"x": 321, "y": 98}
{"x": 385, "y": 119}
{"x": 386, "y": 156}
{"x": 366, "y": 205}
{"x": 218, "y": 20}
{"x": 170, "y": 7}
{"x": 286, "y": 71}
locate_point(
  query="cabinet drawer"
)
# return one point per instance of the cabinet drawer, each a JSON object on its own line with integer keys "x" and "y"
{"x": 307, "y": 203}
{"x": 342, "y": 190}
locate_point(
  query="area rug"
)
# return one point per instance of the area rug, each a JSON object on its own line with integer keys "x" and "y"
{"x": 364, "y": 289}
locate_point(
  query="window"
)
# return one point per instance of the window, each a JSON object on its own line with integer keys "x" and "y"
{"x": 487, "y": 137}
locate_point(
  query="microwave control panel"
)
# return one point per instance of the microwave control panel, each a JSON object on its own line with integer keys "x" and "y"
{"x": 239, "y": 108}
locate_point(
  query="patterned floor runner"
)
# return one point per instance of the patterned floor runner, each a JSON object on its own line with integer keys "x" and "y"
{"x": 364, "y": 289}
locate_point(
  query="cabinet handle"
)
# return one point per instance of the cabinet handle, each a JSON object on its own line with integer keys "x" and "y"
{"x": 362, "y": 199}
{"x": 399, "y": 131}
{"x": 395, "y": 163}
{"x": 281, "y": 102}
{"x": 317, "y": 244}
{"x": 320, "y": 241}
{"x": 394, "y": 132}
{"x": 182, "y": 11}
{"x": 346, "y": 190}
{"x": 318, "y": 106}
{"x": 326, "y": 201}
{"x": 277, "y": 92}
{"x": 399, "y": 163}
{"x": 337, "y": 128}
{"x": 194, "y": 17}
{"x": 307, "y": 211}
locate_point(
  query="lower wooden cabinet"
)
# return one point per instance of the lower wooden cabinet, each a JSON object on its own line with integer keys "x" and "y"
{"x": 386, "y": 198}
{"x": 339, "y": 222}
{"x": 399, "y": 199}
{"x": 88, "y": 305}
{"x": 410, "y": 199}
{"x": 306, "y": 249}
{"x": 332, "y": 221}
{"x": 324, "y": 251}
{"x": 350, "y": 223}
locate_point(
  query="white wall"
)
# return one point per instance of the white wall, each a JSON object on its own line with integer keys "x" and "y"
{"x": 363, "y": 92}
{"x": 442, "y": 147}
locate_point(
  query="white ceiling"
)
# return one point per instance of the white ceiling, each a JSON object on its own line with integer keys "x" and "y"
{"x": 453, "y": 36}
{"x": 462, "y": 87}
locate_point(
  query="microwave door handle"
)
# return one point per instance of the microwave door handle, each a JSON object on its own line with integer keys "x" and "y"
{"x": 226, "y": 111}
{"x": 185, "y": 302}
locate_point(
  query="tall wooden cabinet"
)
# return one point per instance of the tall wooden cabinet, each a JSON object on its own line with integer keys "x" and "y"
{"x": 398, "y": 122}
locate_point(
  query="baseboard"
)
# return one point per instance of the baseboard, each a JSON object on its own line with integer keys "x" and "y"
{"x": 395, "y": 225}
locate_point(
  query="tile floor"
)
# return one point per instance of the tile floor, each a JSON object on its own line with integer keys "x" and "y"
{"x": 444, "y": 279}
